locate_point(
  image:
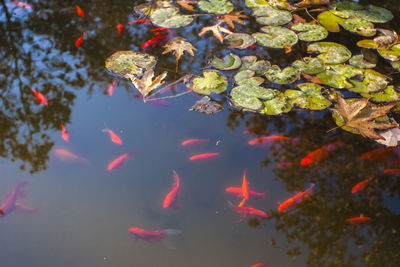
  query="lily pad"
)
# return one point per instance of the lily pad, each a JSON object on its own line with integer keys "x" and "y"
{"x": 256, "y": 3}
{"x": 359, "y": 62}
{"x": 216, "y": 6}
{"x": 239, "y": 40}
{"x": 347, "y": 71}
{"x": 310, "y": 32}
{"x": 309, "y": 65}
{"x": 309, "y": 97}
{"x": 331, "y": 53}
{"x": 170, "y": 18}
{"x": 360, "y": 26}
{"x": 268, "y": 15}
{"x": 367, "y": 43}
{"x": 129, "y": 62}
{"x": 279, "y": 104}
{"x": 229, "y": 62}
{"x": 247, "y": 77}
{"x": 346, "y": 5}
{"x": 285, "y": 76}
{"x": 251, "y": 63}
{"x": 211, "y": 82}
{"x": 334, "y": 79}
{"x": 248, "y": 96}
{"x": 375, "y": 14}
{"x": 275, "y": 37}
{"x": 330, "y": 21}
{"x": 387, "y": 95}
{"x": 392, "y": 54}
{"x": 373, "y": 82}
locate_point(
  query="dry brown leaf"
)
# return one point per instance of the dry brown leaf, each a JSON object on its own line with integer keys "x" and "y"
{"x": 313, "y": 79}
{"x": 146, "y": 84}
{"x": 179, "y": 46}
{"x": 217, "y": 31}
{"x": 306, "y": 3}
{"x": 234, "y": 17}
{"x": 187, "y": 4}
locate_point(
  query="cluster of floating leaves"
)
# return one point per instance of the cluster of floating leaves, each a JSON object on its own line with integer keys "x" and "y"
{"x": 330, "y": 68}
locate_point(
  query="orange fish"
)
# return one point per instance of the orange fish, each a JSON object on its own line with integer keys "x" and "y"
{"x": 260, "y": 264}
{"x": 151, "y": 236}
{"x": 67, "y": 156}
{"x": 80, "y": 40}
{"x": 41, "y": 98}
{"x": 139, "y": 21}
{"x": 158, "y": 30}
{"x": 120, "y": 28}
{"x": 193, "y": 141}
{"x": 111, "y": 89}
{"x": 79, "y": 11}
{"x": 155, "y": 42}
{"x": 360, "y": 219}
{"x": 379, "y": 154}
{"x": 238, "y": 192}
{"x": 64, "y": 133}
{"x": 320, "y": 154}
{"x": 245, "y": 190}
{"x": 248, "y": 211}
{"x": 361, "y": 185}
{"x": 172, "y": 197}
{"x": 296, "y": 199}
{"x": 270, "y": 140}
{"x": 119, "y": 161}
{"x": 204, "y": 156}
{"x": 113, "y": 136}
{"x": 392, "y": 171}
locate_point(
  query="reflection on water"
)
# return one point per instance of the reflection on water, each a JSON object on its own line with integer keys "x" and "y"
{"x": 87, "y": 197}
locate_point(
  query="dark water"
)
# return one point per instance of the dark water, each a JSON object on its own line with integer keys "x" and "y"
{"x": 84, "y": 211}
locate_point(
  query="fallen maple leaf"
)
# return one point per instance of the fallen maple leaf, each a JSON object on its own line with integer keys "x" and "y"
{"x": 179, "y": 46}
{"x": 186, "y": 4}
{"x": 234, "y": 17}
{"x": 360, "y": 115}
{"x": 217, "y": 31}
{"x": 146, "y": 84}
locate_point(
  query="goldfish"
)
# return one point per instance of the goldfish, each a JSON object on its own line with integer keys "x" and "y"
{"x": 79, "y": 11}
{"x": 11, "y": 203}
{"x": 172, "y": 197}
{"x": 248, "y": 211}
{"x": 320, "y": 154}
{"x": 296, "y": 199}
{"x": 379, "y": 154}
{"x": 269, "y": 140}
{"x": 20, "y": 4}
{"x": 155, "y": 42}
{"x": 245, "y": 190}
{"x": 204, "y": 156}
{"x": 80, "y": 40}
{"x": 67, "y": 156}
{"x": 64, "y": 133}
{"x": 392, "y": 171}
{"x": 158, "y": 30}
{"x": 150, "y": 236}
{"x": 360, "y": 219}
{"x": 139, "y": 21}
{"x": 41, "y": 98}
{"x": 113, "y": 136}
{"x": 361, "y": 185}
{"x": 238, "y": 192}
{"x": 119, "y": 161}
{"x": 120, "y": 28}
{"x": 193, "y": 141}
{"x": 260, "y": 264}
{"x": 111, "y": 89}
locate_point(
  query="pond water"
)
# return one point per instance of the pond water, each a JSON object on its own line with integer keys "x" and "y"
{"x": 82, "y": 211}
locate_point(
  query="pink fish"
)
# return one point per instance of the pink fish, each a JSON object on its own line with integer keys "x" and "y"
{"x": 172, "y": 197}
{"x": 11, "y": 203}
{"x": 204, "y": 156}
{"x": 111, "y": 89}
{"x": 64, "y": 134}
{"x": 193, "y": 141}
{"x": 67, "y": 156}
{"x": 249, "y": 211}
{"x": 40, "y": 97}
{"x": 119, "y": 161}
{"x": 113, "y": 136}
{"x": 151, "y": 236}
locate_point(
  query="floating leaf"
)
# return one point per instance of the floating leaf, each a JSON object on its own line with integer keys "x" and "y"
{"x": 207, "y": 106}
{"x": 309, "y": 97}
{"x": 246, "y": 77}
{"x": 248, "y": 96}
{"x": 239, "y": 40}
{"x": 275, "y": 37}
{"x": 310, "y": 32}
{"x": 146, "y": 84}
{"x": 256, "y": 3}
{"x": 124, "y": 62}
{"x": 330, "y": 21}
{"x": 367, "y": 43}
{"x": 375, "y": 14}
{"x": 391, "y": 137}
{"x": 285, "y": 76}
{"x": 309, "y": 65}
{"x": 279, "y": 104}
{"x": 216, "y": 6}
{"x": 251, "y": 63}
{"x": 334, "y": 79}
{"x": 268, "y": 15}
{"x": 170, "y": 18}
{"x": 234, "y": 17}
{"x": 373, "y": 82}
{"x": 386, "y": 38}
{"x": 388, "y": 95}
{"x": 360, "y": 26}
{"x": 359, "y": 62}
{"x": 331, "y": 53}
{"x": 179, "y": 46}
{"x": 212, "y": 81}
{"x": 392, "y": 54}
{"x": 346, "y": 5}
{"x": 217, "y": 31}
{"x": 186, "y": 4}
{"x": 229, "y": 62}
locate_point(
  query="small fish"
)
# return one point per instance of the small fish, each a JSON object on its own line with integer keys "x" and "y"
{"x": 67, "y": 156}
{"x": 41, "y": 98}
{"x": 160, "y": 103}
{"x": 120, "y": 28}
{"x": 119, "y": 161}
{"x": 391, "y": 171}
{"x": 360, "y": 219}
{"x": 320, "y": 154}
{"x": 64, "y": 134}
{"x": 20, "y": 4}
{"x": 245, "y": 190}
{"x": 151, "y": 236}
{"x": 296, "y": 199}
{"x": 172, "y": 197}
{"x": 248, "y": 211}
{"x": 193, "y": 141}
{"x": 361, "y": 185}
{"x": 111, "y": 89}
{"x": 155, "y": 42}
{"x": 11, "y": 203}
{"x": 113, "y": 136}
{"x": 270, "y": 140}
{"x": 157, "y": 30}
{"x": 260, "y": 264}
{"x": 379, "y": 154}
{"x": 237, "y": 191}
{"x": 204, "y": 156}
{"x": 139, "y": 21}
{"x": 79, "y": 11}
{"x": 80, "y": 40}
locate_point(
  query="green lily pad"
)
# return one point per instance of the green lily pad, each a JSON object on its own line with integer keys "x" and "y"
{"x": 331, "y": 53}
{"x": 367, "y": 43}
{"x": 330, "y": 21}
{"x": 375, "y": 14}
{"x": 309, "y": 97}
{"x": 251, "y": 63}
{"x": 359, "y": 62}
{"x": 309, "y": 65}
{"x": 239, "y": 40}
{"x": 212, "y": 81}
{"x": 279, "y": 104}
{"x": 268, "y": 15}
{"x": 387, "y": 95}
{"x": 170, "y": 18}
{"x": 360, "y": 26}
{"x": 124, "y": 62}
{"x": 248, "y": 96}
{"x": 216, "y": 6}
{"x": 334, "y": 79}
{"x": 346, "y": 5}
{"x": 392, "y": 54}
{"x": 285, "y": 76}
{"x": 396, "y": 65}
{"x": 229, "y": 62}
{"x": 246, "y": 77}
{"x": 347, "y": 71}
{"x": 373, "y": 82}
{"x": 310, "y": 32}
{"x": 256, "y": 3}
{"x": 275, "y": 37}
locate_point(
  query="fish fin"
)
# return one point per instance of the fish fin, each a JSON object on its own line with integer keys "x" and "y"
{"x": 24, "y": 207}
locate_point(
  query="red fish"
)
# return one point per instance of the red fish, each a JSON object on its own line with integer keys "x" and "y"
{"x": 158, "y": 30}
{"x": 193, "y": 141}
{"x": 119, "y": 161}
{"x": 270, "y": 140}
{"x": 392, "y": 171}
{"x": 380, "y": 154}
{"x": 360, "y": 219}
{"x": 11, "y": 203}
{"x": 79, "y": 11}
{"x": 296, "y": 199}
{"x": 111, "y": 89}
{"x": 361, "y": 185}
{"x": 139, "y": 21}
{"x": 248, "y": 211}
{"x": 320, "y": 154}
{"x": 80, "y": 40}
{"x": 67, "y": 156}
{"x": 172, "y": 197}
{"x": 64, "y": 133}
{"x": 41, "y": 98}
{"x": 260, "y": 264}
{"x": 120, "y": 28}
{"x": 238, "y": 192}
{"x": 154, "y": 42}
{"x": 113, "y": 136}
{"x": 150, "y": 236}
{"x": 20, "y": 4}
{"x": 204, "y": 156}
{"x": 245, "y": 190}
